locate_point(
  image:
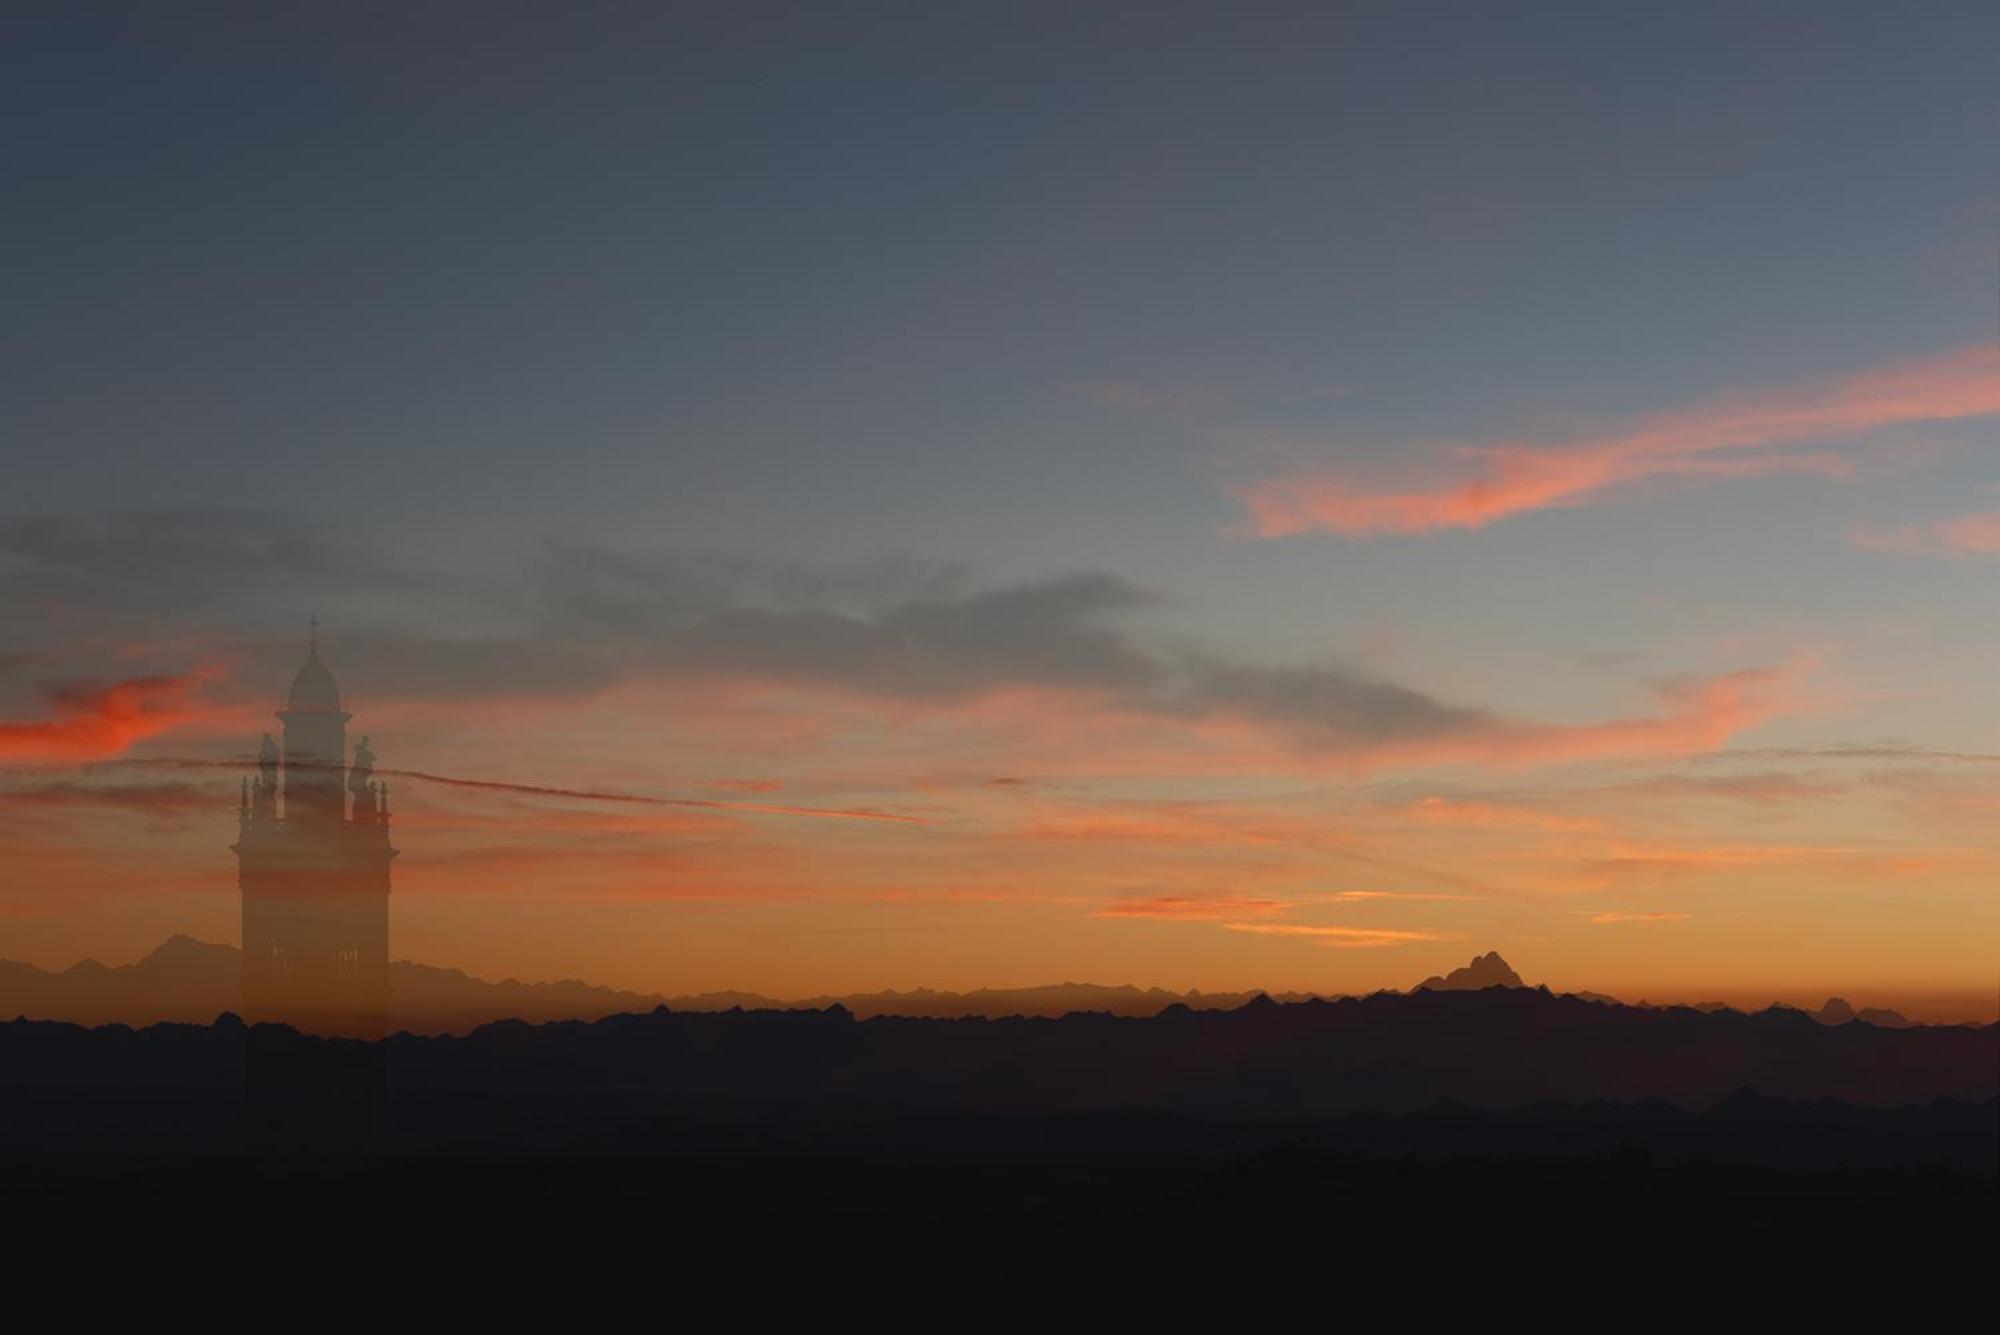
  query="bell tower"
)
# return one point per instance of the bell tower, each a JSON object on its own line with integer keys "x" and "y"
{"x": 313, "y": 857}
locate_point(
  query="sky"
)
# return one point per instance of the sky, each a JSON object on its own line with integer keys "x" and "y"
{"x": 822, "y": 498}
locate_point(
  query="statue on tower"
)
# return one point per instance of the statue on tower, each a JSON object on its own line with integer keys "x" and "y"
{"x": 360, "y": 782}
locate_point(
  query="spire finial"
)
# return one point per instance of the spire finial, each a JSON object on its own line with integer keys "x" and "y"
{"x": 312, "y": 639}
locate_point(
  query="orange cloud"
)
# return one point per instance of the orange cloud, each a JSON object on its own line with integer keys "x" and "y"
{"x": 1183, "y": 908}
{"x": 95, "y": 721}
{"x": 1496, "y": 480}
{"x": 1363, "y": 896}
{"x": 604, "y": 868}
{"x": 1606, "y": 919}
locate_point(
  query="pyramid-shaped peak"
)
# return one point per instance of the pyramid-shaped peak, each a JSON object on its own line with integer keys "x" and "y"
{"x": 1488, "y": 970}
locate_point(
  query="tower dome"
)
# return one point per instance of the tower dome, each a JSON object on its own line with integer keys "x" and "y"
{"x": 313, "y": 688}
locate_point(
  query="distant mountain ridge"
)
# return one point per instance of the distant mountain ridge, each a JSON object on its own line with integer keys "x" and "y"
{"x": 190, "y": 981}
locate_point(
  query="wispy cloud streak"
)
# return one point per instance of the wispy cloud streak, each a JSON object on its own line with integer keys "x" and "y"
{"x": 1348, "y": 938}
{"x": 1975, "y": 534}
{"x": 1493, "y": 480}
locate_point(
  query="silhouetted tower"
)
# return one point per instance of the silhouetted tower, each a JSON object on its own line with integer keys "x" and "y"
{"x": 314, "y": 872}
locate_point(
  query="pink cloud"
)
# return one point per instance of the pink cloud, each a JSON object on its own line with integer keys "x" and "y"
{"x": 1698, "y": 714}
{"x": 1490, "y": 481}
{"x": 1345, "y": 938}
{"x": 1364, "y": 896}
{"x": 1969, "y": 534}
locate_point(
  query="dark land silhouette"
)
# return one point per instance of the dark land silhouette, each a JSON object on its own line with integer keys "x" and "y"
{"x": 1497, "y": 1048}
{"x": 1397, "y": 1110}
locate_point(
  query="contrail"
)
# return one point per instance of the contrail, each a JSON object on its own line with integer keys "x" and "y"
{"x": 572, "y": 794}
{"x": 589, "y": 795}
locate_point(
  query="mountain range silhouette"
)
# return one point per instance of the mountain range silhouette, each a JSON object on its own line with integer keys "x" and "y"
{"x": 1392, "y": 1112}
{"x": 190, "y": 981}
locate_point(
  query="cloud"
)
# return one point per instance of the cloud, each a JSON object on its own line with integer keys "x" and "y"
{"x": 1148, "y": 398}
{"x": 1493, "y": 816}
{"x": 1345, "y": 938}
{"x": 1047, "y": 633}
{"x": 1364, "y": 896}
{"x": 888, "y": 645}
{"x": 1322, "y": 707}
{"x": 161, "y": 801}
{"x": 1608, "y": 919}
{"x": 1975, "y": 534}
{"x": 1332, "y": 713}
{"x": 1763, "y": 788}
{"x": 1162, "y": 823}
{"x": 92, "y": 720}
{"x": 1894, "y": 751}
{"x": 178, "y": 560}
{"x": 1628, "y": 860}
{"x": 1181, "y": 908}
{"x": 1697, "y": 714}
{"x": 1728, "y": 438}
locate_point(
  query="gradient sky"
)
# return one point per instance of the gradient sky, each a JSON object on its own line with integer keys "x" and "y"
{"x": 1231, "y": 496}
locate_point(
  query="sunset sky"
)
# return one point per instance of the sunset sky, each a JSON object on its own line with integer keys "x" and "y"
{"x": 833, "y": 497}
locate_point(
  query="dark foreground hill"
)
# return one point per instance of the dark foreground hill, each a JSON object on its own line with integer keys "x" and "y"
{"x": 1375, "y": 1119}
{"x": 1499, "y": 1048}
